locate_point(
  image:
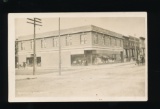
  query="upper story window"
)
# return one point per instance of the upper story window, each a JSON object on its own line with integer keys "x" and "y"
{"x": 83, "y": 39}
{"x": 43, "y": 43}
{"x": 96, "y": 39}
{"x": 121, "y": 43}
{"x": 127, "y": 43}
{"x": 22, "y": 47}
{"x": 55, "y": 41}
{"x": 115, "y": 42}
{"x": 103, "y": 40}
{"x": 118, "y": 42}
{"x": 68, "y": 40}
{"x": 110, "y": 41}
{"x": 107, "y": 40}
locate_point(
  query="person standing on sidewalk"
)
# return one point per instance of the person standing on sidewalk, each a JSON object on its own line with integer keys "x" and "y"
{"x": 24, "y": 65}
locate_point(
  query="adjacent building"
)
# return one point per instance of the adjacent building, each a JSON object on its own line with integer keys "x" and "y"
{"x": 131, "y": 48}
{"x": 142, "y": 45}
{"x": 134, "y": 47}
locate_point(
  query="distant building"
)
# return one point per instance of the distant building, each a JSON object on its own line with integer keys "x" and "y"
{"x": 134, "y": 47}
{"x": 142, "y": 45}
{"x": 131, "y": 48}
{"x": 85, "y": 45}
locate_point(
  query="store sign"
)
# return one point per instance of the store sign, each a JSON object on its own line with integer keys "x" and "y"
{"x": 77, "y": 52}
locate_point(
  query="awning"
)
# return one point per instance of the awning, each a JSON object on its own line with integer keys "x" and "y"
{"x": 105, "y": 52}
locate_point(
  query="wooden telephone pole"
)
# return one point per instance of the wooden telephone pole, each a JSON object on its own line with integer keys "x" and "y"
{"x": 59, "y": 48}
{"x": 34, "y": 22}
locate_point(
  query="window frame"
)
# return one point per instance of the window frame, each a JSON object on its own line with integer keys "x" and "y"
{"x": 22, "y": 48}
{"x": 96, "y": 38}
{"x": 55, "y": 41}
{"x": 103, "y": 39}
{"x": 68, "y": 39}
{"x": 83, "y": 39}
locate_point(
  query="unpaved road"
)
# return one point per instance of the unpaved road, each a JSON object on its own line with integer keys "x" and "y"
{"x": 102, "y": 81}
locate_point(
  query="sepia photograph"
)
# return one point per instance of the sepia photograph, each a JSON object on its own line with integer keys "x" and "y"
{"x": 77, "y": 57}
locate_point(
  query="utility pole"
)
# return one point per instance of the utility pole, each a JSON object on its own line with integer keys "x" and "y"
{"x": 59, "y": 48}
{"x": 34, "y": 22}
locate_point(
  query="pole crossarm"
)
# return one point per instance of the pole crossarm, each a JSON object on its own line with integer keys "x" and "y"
{"x": 30, "y": 19}
{"x": 34, "y": 24}
{"x": 38, "y": 19}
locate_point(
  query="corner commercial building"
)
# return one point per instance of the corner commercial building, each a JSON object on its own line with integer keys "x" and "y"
{"x": 89, "y": 43}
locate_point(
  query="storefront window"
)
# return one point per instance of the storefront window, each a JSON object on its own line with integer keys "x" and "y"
{"x": 30, "y": 61}
{"x": 78, "y": 60}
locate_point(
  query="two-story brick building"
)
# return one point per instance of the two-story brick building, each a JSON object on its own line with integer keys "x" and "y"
{"x": 89, "y": 44}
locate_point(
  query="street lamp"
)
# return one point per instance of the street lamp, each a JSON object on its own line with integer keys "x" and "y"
{"x": 35, "y": 22}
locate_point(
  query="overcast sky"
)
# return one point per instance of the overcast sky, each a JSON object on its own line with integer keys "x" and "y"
{"x": 123, "y": 25}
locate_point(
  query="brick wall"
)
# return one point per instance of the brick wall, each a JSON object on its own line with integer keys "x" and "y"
{"x": 110, "y": 41}
{"x": 49, "y": 44}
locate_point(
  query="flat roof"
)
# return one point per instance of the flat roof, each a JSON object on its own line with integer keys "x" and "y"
{"x": 72, "y": 31}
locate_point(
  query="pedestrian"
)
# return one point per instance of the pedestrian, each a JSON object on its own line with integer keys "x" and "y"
{"x": 17, "y": 65}
{"x": 138, "y": 59}
{"x": 24, "y": 65}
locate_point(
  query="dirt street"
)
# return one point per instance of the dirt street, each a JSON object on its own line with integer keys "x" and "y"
{"x": 102, "y": 81}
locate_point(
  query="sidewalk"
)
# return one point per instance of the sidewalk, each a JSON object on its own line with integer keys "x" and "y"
{"x": 54, "y": 72}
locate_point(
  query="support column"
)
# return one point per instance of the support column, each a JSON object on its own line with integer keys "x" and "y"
{"x": 91, "y": 58}
{"x": 130, "y": 54}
